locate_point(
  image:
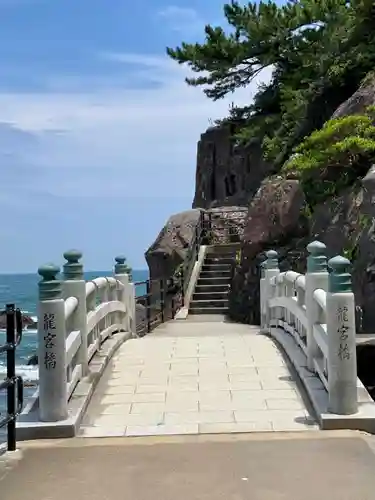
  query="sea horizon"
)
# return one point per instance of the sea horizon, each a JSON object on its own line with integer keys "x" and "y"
{"x": 87, "y": 271}
{"x": 21, "y": 289}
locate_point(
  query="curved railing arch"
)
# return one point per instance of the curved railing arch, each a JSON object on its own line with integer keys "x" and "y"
{"x": 318, "y": 311}
{"x": 75, "y": 319}
{"x": 106, "y": 313}
{"x": 288, "y": 310}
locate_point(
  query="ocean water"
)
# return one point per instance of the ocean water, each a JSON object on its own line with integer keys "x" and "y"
{"x": 22, "y": 290}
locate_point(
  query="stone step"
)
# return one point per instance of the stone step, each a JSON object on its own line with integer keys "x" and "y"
{"x": 219, "y": 260}
{"x": 211, "y": 288}
{"x": 225, "y": 249}
{"x": 221, "y": 255}
{"x": 216, "y": 274}
{"x": 209, "y": 310}
{"x": 213, "y": 280}
{"x": 216, "y": 267}
{"x": 201, "y": 304}
{"x": 210, "y": 295}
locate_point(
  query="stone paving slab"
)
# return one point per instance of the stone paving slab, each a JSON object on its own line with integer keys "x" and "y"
{"x": 191, "y": 378}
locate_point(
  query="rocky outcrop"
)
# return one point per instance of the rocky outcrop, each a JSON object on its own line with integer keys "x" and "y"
{"x": 170, "y": 247}
{"x": 226, "y": 174}
{"x": 274, "y": 213}
{"x": 275, "y": 219}
{"x": 236, "y": 178}
{"x": 278, "y": 219}
{"x": 346, "y": 224}
{"x": 360, "y": 100}
{"x": 33, "y": 360}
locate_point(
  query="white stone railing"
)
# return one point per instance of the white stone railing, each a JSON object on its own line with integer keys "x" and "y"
{"x": 318, "y": 311}
{"x": 75, "y": 317}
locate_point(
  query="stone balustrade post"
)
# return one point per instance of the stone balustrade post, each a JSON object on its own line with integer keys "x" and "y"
{"x": 74, "y": 285}
{"x": 262, "y": 293}
{"x": 280, "y": 292}
{"x": 289, "y": 292}
{"x": 316, "y": 277}
{"x": 53, "y": 402}
{"x": 127, "y": 294}
{"x": 342, "y": 359}
{"x": 271, "y": 270}
{"x": 132, "y": 309}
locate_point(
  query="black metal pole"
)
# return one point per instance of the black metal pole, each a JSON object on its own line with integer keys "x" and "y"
{"x": 162, "y": 304}
{"x": 209, "y": 229}
{"x": 182, "y": 284}
{"x": 11, "y": 375}
{"x": 172, "y": 305}
{"x": 196, "y": 241}
{"x": 148, "y": 307}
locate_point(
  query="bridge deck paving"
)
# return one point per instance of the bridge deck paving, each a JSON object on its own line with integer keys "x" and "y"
{"x": 197, "y": 377}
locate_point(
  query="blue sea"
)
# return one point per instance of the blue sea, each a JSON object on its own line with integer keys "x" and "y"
{"x": 22, "y": 290}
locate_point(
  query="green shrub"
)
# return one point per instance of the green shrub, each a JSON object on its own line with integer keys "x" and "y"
{"x": 335, "y": 156}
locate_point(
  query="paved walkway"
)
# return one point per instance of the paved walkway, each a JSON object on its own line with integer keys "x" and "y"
{"x": 197, "y": 377}
{"x": 271, "y": 466}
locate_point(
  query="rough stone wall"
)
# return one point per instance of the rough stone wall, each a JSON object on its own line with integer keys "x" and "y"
{"x": 226, "y": 224}
{"x": 226, "y": 175}
{"x": 346, "y": 224}
{"x": 275, "y": 220}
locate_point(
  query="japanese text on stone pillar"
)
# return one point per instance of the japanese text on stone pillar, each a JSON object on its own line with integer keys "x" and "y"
{"x": 49, "y": 326}
{"x": 343, "y": 328}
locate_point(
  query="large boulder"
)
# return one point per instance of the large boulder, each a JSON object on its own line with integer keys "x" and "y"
{"x": 170, "y": 247}
{"x": 274, "y": 214}
{"x": 275, "y": 220}
{"x": 346, "y": 224}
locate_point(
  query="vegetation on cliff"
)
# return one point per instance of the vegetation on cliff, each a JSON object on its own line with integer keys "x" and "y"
{"x": 317, "y": 51}
{"x": 334, "y": 156}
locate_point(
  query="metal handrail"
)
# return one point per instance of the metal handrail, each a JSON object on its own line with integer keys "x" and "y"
{"x": 13, "y": 383}
{"x": 156, "y": 311}
{"x": 154, "y": 304}
{"x": 192, "y": 253}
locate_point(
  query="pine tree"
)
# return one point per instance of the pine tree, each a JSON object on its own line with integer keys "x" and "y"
{"x": 316, "y": 51}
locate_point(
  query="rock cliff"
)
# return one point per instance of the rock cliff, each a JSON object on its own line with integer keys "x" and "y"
{"x": 345, "y": 224}
{"x": 228, "y": 175}
{"x": 277, "y": 218}
{"x": 363, "y": 97}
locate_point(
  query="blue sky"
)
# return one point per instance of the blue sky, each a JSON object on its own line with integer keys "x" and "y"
{"x": 98, "y": 130}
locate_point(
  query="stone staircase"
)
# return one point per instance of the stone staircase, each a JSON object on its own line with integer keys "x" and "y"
{"x": 211, "y": 291}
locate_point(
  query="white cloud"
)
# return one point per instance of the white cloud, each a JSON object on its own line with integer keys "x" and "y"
{"x": 182, "y": 19}
{"x": 138, "y": 142}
